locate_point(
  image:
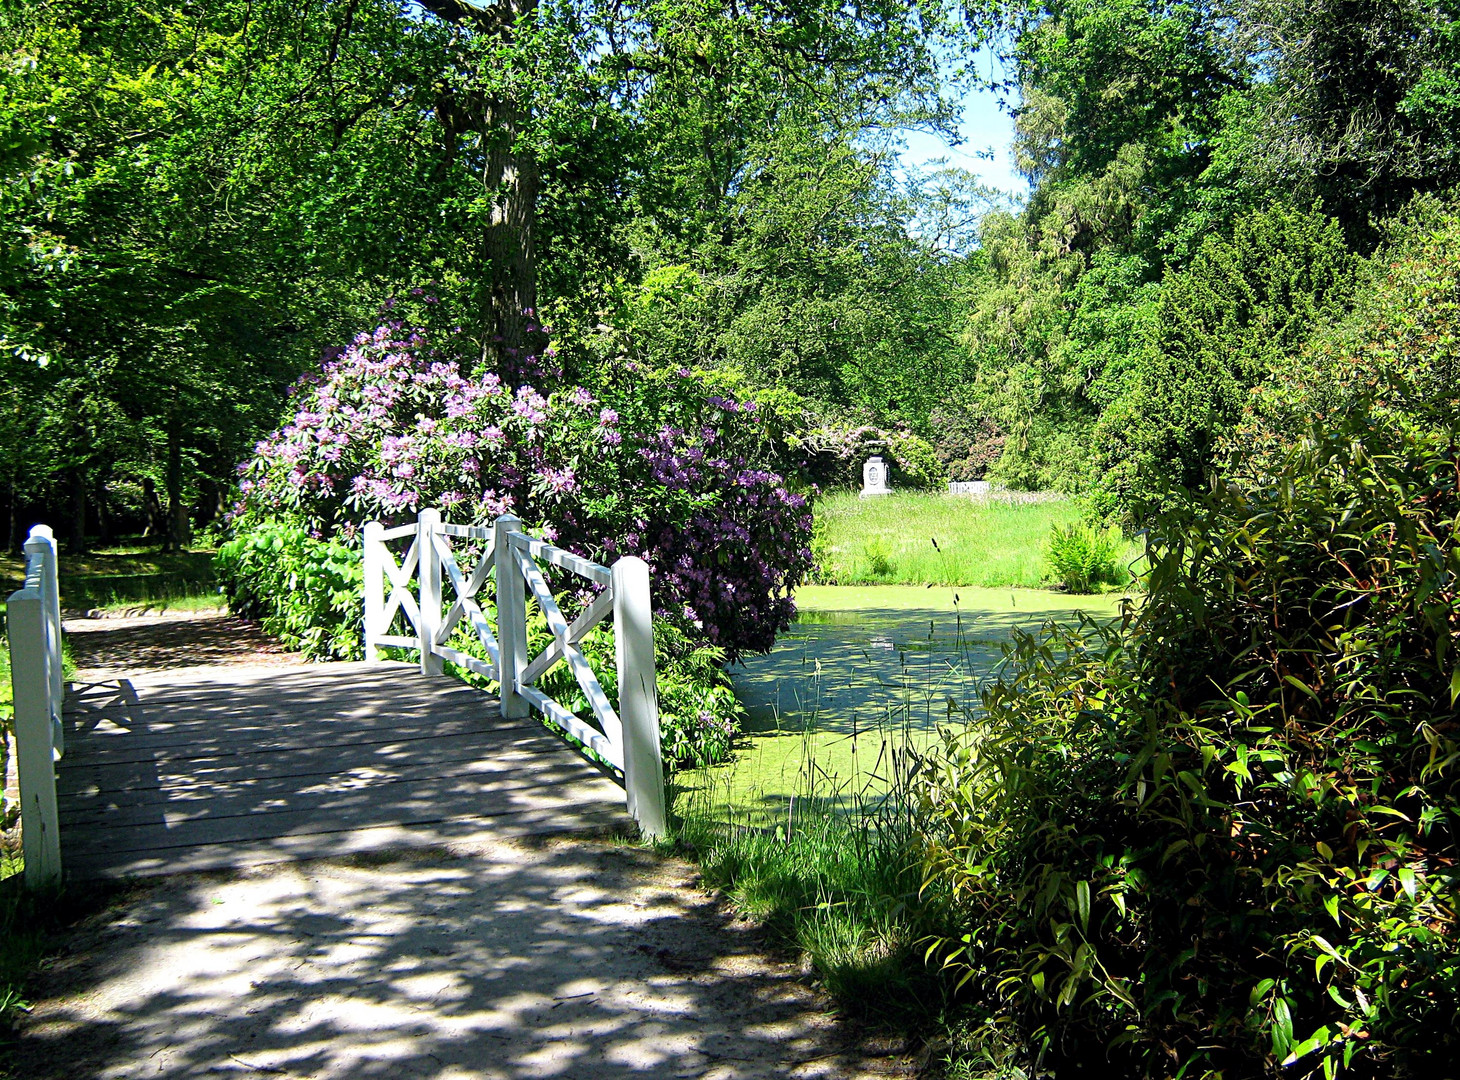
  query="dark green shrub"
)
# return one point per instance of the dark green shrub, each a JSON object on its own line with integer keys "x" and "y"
{"x": 966, "y": 441}
{"x": 1083, "y": 558}
{"x": 1220, "y": 837}
{"x": 1239, "y": 312}
{"x": 308, "y": 593}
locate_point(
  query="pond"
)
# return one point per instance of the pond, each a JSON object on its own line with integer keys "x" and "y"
{"x": 864, "y": 674}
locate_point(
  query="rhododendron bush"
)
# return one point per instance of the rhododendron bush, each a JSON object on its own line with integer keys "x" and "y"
{"x": 670, "y": 466}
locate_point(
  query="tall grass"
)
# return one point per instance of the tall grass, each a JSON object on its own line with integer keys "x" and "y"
{"x": 920, "y": 539}
{"x": 839, "y": 889}
{"x": 832, "y": 861}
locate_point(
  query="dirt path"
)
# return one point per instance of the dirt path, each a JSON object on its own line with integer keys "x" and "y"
{"x": 572, "y": 959}
{"x": 106, "y": 648}
{"x": 490, "y": 960}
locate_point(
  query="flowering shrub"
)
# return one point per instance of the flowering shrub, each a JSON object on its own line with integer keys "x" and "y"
{"x": 967, "y": 442}
{"x": 665, "y": 465}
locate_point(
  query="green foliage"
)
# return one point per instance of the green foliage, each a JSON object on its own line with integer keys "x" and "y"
{"x": 197, "y": 201}
{"x": 189, "y": 202}
{"x": 828, "y": 278}
{"x": 915, "y": 459}
{"x": 1083, "y": 558}
{"x": 1358, "y": 108}
{"x": 838, "y": 452}
{"x": 699, "y": 715}
{"x": 1404, "y": 324}
{"x": 1118, "y": 73}
{"x": 1160, "y": 270}
{"x": 1242, "y": 309}
{"x": 1220, "y": 836}
{"x": 308, "y": 593}
{"x": 1057, "y": 313}
{"x": 965, "y": 442}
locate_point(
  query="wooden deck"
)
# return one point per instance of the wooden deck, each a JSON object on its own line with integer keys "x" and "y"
{"x": 222, "y": 767}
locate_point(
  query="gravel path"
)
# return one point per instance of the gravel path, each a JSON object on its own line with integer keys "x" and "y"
{"x": 570, "y": 959}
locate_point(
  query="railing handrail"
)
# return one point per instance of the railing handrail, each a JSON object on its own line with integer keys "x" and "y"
{"x": 626, "y": 738}
{"x": 38, "y": 690}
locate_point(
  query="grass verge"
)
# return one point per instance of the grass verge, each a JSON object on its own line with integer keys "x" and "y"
{"x": 929, "y": 539}
{"x": 34, "y": 926}
{"x": 840, "y": 890}
{"x": 128, "y": 575}
{"x": 843, "y": 891}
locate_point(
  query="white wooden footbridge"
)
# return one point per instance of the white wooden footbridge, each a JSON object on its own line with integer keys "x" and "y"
{"x": 219, "y": 767}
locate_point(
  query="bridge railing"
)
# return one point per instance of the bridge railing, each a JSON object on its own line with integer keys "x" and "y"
{"x": 38, "y": 688}
{"x": 627, "y": 738}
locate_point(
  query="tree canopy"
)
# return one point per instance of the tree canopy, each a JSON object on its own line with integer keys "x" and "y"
{"x": 201, "y": 200}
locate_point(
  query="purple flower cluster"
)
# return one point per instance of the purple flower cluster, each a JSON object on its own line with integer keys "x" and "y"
{"x": 660, "y": 468}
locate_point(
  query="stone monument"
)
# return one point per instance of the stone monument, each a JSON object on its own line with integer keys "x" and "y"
{"x": 874, "y": 478}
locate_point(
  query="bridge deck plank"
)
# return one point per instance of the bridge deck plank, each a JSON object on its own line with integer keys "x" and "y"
{"x": 213, "y": 768}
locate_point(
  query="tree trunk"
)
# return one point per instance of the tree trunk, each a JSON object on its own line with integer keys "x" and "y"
{"x": 156, "y": 525}
{"x": 178, "y": 534}
{"x": 511, "y": 181}
{"x": 101, "y": 510}
{"x": 76, "y": 541}
{"x": 212, "y": 501}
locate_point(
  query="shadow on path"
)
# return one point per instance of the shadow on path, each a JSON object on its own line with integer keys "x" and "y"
{"x": 233, "y": 766}
{"x": 563, "y": 959}
{"x": 109, "y": 647}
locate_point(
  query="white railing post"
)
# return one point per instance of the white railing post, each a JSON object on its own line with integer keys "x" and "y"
{"x": 638, "y": 695}
{"x": 30, "y": 681}
{"x": 43, "y": 542}
{"x": 429, "y": 565}
{"x": 372, "y": 558}
{"x": 511, "y": 620}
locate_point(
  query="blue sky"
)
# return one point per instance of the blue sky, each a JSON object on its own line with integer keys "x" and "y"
{"x": 985, "y": 128}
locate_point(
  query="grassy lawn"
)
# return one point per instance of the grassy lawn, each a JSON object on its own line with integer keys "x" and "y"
{"x": 917, "y": 539}
{"x": 127, "y": 575}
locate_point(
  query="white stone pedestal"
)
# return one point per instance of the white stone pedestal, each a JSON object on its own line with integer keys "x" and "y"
{"x": 874, "y": 478}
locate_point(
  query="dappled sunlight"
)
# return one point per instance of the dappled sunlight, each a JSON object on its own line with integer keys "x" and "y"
{"x": 223, "y": 767}
{"x": 105, "y": 648}
{"x": 555, "y": 960}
